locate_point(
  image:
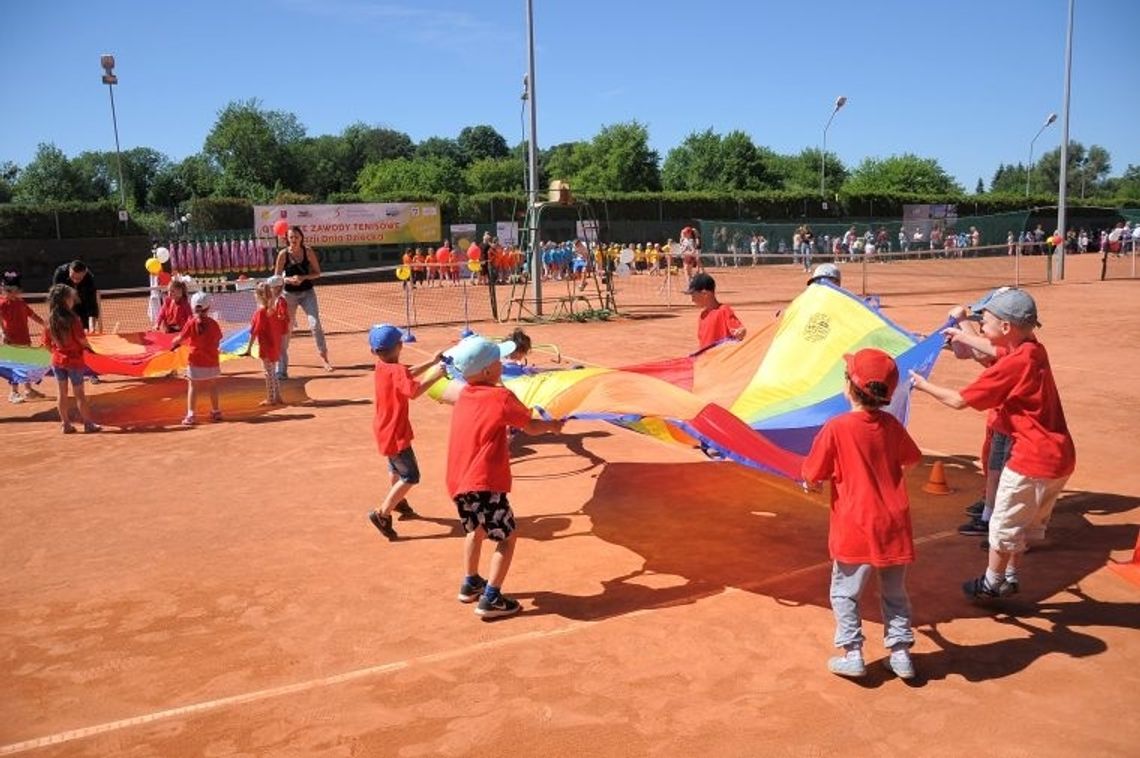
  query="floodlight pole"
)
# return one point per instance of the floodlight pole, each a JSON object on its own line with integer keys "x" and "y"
{"x": 532, "y": 165}
{"x": 1063, "y": 192}
{"x": 839, "y": 103}
{"x": 1029, "y": 168}
{"x": 110, "y": 79}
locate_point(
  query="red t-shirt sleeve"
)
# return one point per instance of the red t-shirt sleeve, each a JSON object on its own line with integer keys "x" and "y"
{"x": 908, "y": 451}
{"x": 992, "y": 386}
{"x": 404, "y": 383}
{"x": 186, "y": 329}
{"x": 820, "y": 462}
{"x": 731, "y": 320}
{"x": 514, "y": 412}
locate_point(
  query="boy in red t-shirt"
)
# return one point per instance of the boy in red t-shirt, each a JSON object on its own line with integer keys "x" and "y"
{"x": 14, "y": 315}
{"x": 479, "y": 469}
{"x": 1021, "y": 387}
{"x": 203, "y": 368}
{"x": 864, "y": 453}
{"x": 395, "y": 384}
{"x": 717, "y": 321}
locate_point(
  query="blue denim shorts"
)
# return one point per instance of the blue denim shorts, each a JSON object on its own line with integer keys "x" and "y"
{"x": 403, "y": 464}
{"x": 1001, "y": 445}
{"x": 64, "y": 374}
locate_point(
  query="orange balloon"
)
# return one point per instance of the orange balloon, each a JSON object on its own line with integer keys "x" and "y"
{"x": 474, "y": 253}
{"x": 281, "y": 227}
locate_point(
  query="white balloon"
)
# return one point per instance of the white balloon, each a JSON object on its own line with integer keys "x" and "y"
{"x": 162, "y": 254}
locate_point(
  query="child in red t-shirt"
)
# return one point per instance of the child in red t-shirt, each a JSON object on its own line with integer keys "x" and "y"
{"x": 395, "y": 384}
{"x": 717, "y": 321}
{"x": 65, "y": 337}
{"x": 266, "y": 329}
{"x": 14, "y": 316}
{"x": 863, "y": 453}
{"x": 479, "y": 469}
{"x": 1021, "y": 387}
{"x": 175, "y": 310}
{"x": 204, "y": 337}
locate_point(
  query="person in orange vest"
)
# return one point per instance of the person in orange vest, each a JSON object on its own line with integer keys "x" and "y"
{"x": 418, "y": 267}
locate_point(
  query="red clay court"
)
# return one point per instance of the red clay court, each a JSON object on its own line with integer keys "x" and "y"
{"x": 218, "y": 591}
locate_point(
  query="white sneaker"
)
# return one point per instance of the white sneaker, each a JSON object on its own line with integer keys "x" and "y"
{"x": 16, "y": 398}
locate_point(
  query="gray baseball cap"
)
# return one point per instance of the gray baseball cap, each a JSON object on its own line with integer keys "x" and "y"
{"x": 1014, "y": 306}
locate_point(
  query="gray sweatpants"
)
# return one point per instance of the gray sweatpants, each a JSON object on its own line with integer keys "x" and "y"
{"x": 848, "y": 580}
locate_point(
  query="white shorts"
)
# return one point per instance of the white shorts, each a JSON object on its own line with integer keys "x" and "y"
{"x": 203, "y": 372}
{"x": 1022, "y": 509}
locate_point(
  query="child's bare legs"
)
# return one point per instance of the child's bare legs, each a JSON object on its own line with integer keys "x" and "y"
{"x": 500, "y": 561}
{"x": 62, "y": 403}
{"x": 472, "y": 548}
{"x": 191, "y": 398}
{"x": 272, "y": 384}
{"x": 215, "y": 399}
{"x": 396, "y": 494}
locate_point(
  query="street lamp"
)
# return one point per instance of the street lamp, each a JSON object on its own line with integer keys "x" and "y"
{"x": 839, "y": 103}
{"x": 1029, "y": 168}
{"x": 107, "y": 61}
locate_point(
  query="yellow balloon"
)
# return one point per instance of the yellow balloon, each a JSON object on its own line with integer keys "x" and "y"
{"x": 474, "y": 266}
{"x": 153, "y": 265}
{"x": 403, "y": 273}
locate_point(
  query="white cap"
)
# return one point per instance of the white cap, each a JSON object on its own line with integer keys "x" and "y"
{"x": 200, "y": 300}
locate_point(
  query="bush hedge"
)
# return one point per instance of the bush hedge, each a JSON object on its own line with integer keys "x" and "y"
{"x": 228, "y": 213}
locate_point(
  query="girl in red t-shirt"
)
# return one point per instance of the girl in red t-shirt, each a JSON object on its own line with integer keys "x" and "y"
{"x": 863, "y": 454}
{"x": 64, "y": 336}
{"x": 14, "y": 316}
{"x": 175, "y": 310}
{"x": 266, "y": 329}
{"x": 204, "y": 337}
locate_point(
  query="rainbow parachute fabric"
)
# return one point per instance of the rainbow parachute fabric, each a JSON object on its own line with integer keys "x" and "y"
{"x": 736, "y": 400}
{"x": 137, "y": 354}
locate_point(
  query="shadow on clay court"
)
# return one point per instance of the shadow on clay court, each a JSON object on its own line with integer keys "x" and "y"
{"x": 159, "y": 404}
{"x": 705, "y": 527}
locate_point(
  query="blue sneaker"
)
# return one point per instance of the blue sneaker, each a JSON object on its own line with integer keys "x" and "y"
{"x": 847, "y": 666}
{"x": 470, "y": 590}
{"x": 500, "y": 607}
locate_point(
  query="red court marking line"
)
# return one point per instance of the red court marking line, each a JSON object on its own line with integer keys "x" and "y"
{"x": 386, "y": 668}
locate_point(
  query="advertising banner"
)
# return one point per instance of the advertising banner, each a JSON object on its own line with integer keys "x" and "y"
{"x": 356, "y": 223}
{"x": 507, "y": 232}
{"x": 462, "y": 235}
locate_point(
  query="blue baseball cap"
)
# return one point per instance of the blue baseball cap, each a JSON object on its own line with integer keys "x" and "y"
{"x": 383, "y": 337}
{"x": 475, "y": 353}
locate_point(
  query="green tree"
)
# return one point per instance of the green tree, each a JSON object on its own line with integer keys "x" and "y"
{"x": 441, "y": 147}
{"x": 50, "y": 177}
{"x": 620, "y": 160}
{"x": 496, "y": 175}
{"x": 479, "y": 142}
{"x": 1008, "y": 180}
{"x": 695, "y": 165}
{"x": 800, "y": 172}
{"x": 420, "y": 176}
{"x": 9, "y": 174}
{"x": 980, "y": 187}
{"x": 252, "y": 146}
{"x": 563, "y": 161}
{"x": 372, "y": 144}
{"x": 98, "y": 177}
{"x": 1126, "y": 186}
{"x": 324, "y": 165}
{"x": 902, "y": 173}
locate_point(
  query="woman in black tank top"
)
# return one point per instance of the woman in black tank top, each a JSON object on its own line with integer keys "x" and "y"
{"x": 299, "y": 265}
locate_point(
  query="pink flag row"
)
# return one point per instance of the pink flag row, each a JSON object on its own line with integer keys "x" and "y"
{"x": 221, "y": 256}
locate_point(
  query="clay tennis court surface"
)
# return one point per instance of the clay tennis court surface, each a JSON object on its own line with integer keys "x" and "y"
{"x": 218, "y": 591}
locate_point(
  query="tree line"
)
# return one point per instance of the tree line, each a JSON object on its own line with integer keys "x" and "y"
{"x": 266, "y": 155}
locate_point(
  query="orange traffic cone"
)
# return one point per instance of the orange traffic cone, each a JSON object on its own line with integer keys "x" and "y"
{"x": 1131, "y": 569}
{"x": 936, "y": 484}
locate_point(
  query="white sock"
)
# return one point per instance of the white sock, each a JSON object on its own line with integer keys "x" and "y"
{"x": 993, "y": 579}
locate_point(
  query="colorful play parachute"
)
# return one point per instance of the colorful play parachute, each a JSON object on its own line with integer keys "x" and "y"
{"x": 757, "y": 402}
{"x": 139, "y": 354}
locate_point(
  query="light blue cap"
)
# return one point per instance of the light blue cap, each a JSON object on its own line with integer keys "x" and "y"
{"x": 475, "y": 353}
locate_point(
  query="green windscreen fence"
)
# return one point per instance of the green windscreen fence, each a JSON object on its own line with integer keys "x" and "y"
{"x": 734, "y": 240}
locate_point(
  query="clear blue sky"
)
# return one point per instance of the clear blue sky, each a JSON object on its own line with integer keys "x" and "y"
{"x": 967, "y": 82}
